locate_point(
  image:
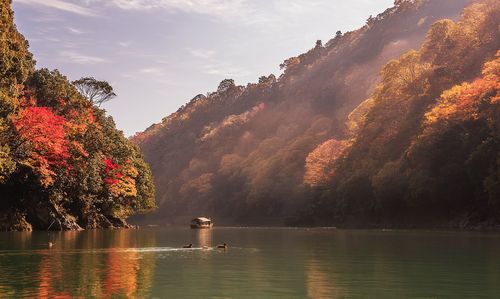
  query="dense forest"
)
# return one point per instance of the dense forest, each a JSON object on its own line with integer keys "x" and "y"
{"x": 394, "y": 124}
{"x": 63, "y": 164}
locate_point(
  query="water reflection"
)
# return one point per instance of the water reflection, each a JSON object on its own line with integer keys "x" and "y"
{"x": 82, "y": 264}
{"x": 260, "y": 263}
{"x": 204, "y": 237}
{"x": 122, "y": 268}
{"x": 320, "y": 283}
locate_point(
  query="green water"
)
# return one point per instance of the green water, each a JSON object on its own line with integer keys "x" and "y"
{"x": 260, "y": 263}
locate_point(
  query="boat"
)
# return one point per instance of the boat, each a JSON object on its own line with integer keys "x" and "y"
{"x": 201, "y": 222}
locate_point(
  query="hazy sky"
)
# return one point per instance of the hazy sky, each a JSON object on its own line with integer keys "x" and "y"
{"x": 158, "y": 54}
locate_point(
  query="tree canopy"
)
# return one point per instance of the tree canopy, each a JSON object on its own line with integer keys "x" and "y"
{"x": 63, "y": 163}
{"x": 97, "y": 92}
{"x": 329, "y": 141}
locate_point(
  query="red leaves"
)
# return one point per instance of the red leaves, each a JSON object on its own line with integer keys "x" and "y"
{"x": 43, "y": 134}
{"x": 111, "y": 172}
{"x": 120, "y": 179}
{"x": 42, "y": 128}
{"x": 109, "y": 165}
{"x": 47, "y": 142}
{"x": 111, "y": 181}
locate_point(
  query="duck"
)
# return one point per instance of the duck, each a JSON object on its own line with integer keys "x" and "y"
{"x": 190, "y": 245}
{"x": 222, "y": 246}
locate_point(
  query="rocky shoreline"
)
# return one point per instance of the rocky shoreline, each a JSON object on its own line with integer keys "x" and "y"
{"x": 57, "y": 220}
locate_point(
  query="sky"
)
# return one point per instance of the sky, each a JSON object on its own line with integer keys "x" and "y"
{"x": 158, "y": 54}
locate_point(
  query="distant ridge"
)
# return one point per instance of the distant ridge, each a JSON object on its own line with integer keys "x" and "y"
{"x": 326, "y": 142}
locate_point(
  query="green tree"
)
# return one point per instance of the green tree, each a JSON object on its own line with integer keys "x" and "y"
{"x": 97, "y": 92}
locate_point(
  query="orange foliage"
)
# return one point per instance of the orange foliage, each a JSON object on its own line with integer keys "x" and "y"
{"x": 320, "y": 162}
{"x": 462, "y": 101}
{"x": 120, "y": 179}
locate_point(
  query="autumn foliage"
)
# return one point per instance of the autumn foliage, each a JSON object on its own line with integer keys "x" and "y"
{"x": 320, "y": 163}
{"x": 120, "y": 179}
{"x": 426, "y": 153}
{"x": 43, "y": 134}
{"x": 62, "y": 161}
{"x": 464, "y": 101}
{"x": 394, "y": 124}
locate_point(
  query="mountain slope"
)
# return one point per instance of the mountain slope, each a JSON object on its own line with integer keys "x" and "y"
{"x": 239, "y": 154}
{"x": 426, "y": 152}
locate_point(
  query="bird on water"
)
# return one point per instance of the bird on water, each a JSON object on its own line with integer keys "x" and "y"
{"x": 222, "y": 246}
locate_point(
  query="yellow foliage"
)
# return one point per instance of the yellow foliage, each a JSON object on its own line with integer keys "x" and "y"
{"x": 357, "y": 117}
{"x": 125, "y": 185}
{"x": 491, "y": 69}
{"x": 321, "y": 161}
{"x": 405, "y": 75}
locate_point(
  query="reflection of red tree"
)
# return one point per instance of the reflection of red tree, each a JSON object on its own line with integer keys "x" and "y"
{"x": 48, "y": 274}
{"x": 121, "y": 274}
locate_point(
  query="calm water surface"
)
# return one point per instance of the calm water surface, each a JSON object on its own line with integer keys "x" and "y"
{"x": 260, "y": 263}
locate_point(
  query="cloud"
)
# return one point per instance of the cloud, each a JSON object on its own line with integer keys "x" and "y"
{"x": 267, "y": 14}
{"x": 201, "y": 53}
{"x": 52, "y": 39}
{"x": 124, "y": 44}
{"x": 78, "y": 58}
{"x": 218, "y": 69}
{"x": 155, "y": 74}
{"x": 196, "y": 6}
{"x": 155, "y": 71}
{"x": 60, "y": 5}
{"x": 244, "y": 11}
{"x": 75, "y": 31}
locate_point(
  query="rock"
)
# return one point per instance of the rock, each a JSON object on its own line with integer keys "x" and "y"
{"x": 13, "y": 220}
{"x": 96, "y": 221}
{"x": 49, "y": 216}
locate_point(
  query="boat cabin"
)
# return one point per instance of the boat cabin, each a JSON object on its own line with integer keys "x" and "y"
{"x": 201, "y": 222}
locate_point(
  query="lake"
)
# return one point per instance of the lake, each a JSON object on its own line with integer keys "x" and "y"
{"x": 259, "y": 263}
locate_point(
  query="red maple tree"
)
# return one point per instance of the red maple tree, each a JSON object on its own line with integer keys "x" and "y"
{"x": 43, "y": 138}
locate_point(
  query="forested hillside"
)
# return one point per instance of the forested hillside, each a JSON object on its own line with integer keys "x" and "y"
{"x": 427, "y": 151}
{"x": 350, "y": 134}
{"x": 63, "y": 164}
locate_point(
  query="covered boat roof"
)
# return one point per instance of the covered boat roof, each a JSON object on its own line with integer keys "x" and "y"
{"x": 202, "y": 219}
